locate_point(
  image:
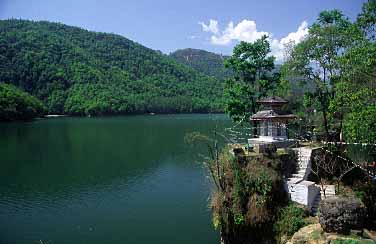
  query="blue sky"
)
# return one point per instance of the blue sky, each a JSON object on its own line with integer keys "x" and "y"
{"x": 169, "y": 25}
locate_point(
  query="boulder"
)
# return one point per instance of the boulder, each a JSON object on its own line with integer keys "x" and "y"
{"x": 310, "y": 234}
{"x": 338, "y": 214}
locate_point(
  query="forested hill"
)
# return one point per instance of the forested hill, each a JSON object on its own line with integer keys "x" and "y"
{"x": 75, "y": 71}
{"x": 208, "y": 63}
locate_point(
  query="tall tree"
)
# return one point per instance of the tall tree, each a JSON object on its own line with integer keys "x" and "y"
{"x": 252, "y": 65}
{"x": 367, "y": 19}
{"x": 355, "y": 99}
{"x": 316, "y": 58}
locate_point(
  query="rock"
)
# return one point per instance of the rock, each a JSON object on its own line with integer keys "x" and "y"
{"x": 310, "y": 234}
{"x": 369, "y": 234}
{"x": 341, "y": 214}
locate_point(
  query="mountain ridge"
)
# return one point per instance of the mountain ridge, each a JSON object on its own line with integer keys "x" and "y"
{"x": 80, "y": 72}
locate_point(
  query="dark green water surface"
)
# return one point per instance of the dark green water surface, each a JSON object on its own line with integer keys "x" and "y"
{"x": 105, "y": 180}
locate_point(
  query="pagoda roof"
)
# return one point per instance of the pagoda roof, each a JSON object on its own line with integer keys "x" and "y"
{"x": 271, "y": 115}
{"x": 273, "y": 100}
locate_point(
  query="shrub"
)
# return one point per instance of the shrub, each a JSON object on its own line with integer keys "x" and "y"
{"x": 350, "y": 241}
{"x": 245, "y": 208}
{"x": 366, "y": 192}
{"x": 18, "y": 105}
{"x": 290, "y": 219}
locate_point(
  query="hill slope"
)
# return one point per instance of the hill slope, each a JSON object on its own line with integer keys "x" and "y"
{"x": 18, "y": 105}
{"x": 203, "y": 61}
{"x": 79, "y": 72}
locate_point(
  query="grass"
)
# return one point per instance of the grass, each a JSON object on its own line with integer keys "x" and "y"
{"x": 352, "y": 241}
{"x": 316, "y": 235}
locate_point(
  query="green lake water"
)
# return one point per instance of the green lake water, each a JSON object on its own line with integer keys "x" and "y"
{"x": 105, "y": 180}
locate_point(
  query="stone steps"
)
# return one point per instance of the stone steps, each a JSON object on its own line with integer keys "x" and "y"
{"x": 298, "y": 175}
{"x": 298, "y": 181}
{"x": 301, "y": 190}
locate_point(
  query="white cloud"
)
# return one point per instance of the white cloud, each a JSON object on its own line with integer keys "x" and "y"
{"x": 246, "y": 30}
{"x": 211, "y": 27}
{"x": 297, "y": 36}
{"x": 278, "y": 46}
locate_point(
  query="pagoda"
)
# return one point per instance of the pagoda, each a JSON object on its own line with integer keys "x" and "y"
{"x": 271, "y": 122}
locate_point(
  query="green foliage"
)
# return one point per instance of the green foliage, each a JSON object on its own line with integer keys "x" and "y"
{"x": 316, "y": 57}
{"x": 252, "y": 66}
{"x": 366, "y": 192}
{"x": 78, "y": 72}
{"x": 360, "y": 125}
{"x": 340, "y": 63}
{"x": 252, "y": 193}
{"x": 359, "y": 62}
{"x": 239, "y": 219}
{"x": 18, "y": 105}
{"x": 351, "y": 241}
{"x": 205, "y": 62}
{"x": 354, "y": 104}
{"x": 237, "y": 96}
{"x": 367, "y": 19}
{"x": 262, "y": 185}
{"x": 355, "y": 94}
{"x": 290, "y": 220}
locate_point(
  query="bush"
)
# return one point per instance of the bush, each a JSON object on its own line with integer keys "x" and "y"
{"x": 244, "y": 209}
{"x": 351, "y": 241}
{"x": 366, "y": 192}
{"x": 18, "y": 105}
{"x": 290, "y": 219}
{"x": 270, "y": 149}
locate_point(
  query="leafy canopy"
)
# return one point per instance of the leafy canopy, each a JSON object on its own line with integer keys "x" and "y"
{"x": 252, "y": 65}
{"x": 74, "y": 71}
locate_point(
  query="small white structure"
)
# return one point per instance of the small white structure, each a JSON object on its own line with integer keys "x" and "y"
{"x": 299, "y": 188}
{"x": 271, "y": 122}
{"x": 303, "y": 192}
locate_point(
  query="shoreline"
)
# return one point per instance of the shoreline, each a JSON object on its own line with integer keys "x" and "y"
{"x": 56, "y": 116}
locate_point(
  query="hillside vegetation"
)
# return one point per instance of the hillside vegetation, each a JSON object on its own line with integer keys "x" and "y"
{"x": 78, "y": 72}
{"x": 208, "y": 63}
{"x": 18, "y": 105}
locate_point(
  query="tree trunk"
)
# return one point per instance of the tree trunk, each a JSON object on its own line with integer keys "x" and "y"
{"x": 340, "y": 129}
{"x": 325, "y": 123}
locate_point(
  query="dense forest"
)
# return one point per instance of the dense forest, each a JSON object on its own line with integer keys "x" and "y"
{"x": 18, "y": 105}
{"x": 78, "y": 72}
{"x": 211, "y": 64}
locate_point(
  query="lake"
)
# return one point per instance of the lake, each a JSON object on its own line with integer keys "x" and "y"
{"x": 105, "y": 180}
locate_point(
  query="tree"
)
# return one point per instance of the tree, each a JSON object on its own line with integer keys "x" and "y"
{"x": 355, "y": 100}
{"x": 78, "y": 72}
{"x": 367, "y": 19}
{"x": 355, "y": 106}
{"x": 18, "y": 105}
{"x": 252, "y": 66}
{"x": 327, "y": 164}
{"x": 316, "y": 58}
